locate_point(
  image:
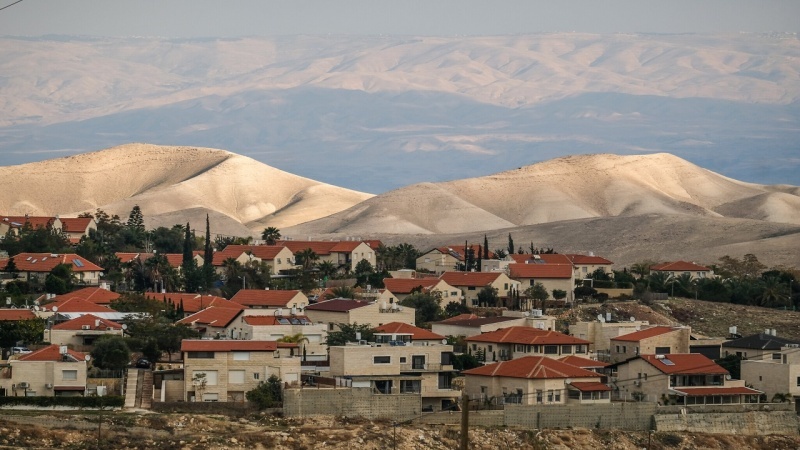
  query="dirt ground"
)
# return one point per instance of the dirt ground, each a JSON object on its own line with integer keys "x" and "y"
{"x": 124, "y": 430}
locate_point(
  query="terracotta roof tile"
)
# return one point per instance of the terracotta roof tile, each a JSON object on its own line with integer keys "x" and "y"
{"x": 75, "y": 224}
{"x": 637, "y": 336}
{"x": 16, "y": 314}
{"x": 264, "y": 252}
{"x": 588, "y": 259}
{"x": 76, "y": 305}
{"x": 715, "y": 390}
{"x": 34, "y": 221}
{"x": 528, "y": 336}
{"x": 319, "y": 247}
{"x": 203, "y": 345}
{"x": 45, "y": 262}
{"x": 126, "y": 257}
{"x": 214, "y": 316}
{"x": 52, "y": 353}
{"x": 337, "y": 305}
{"x": 96, "y": 295}
{"x": 269, "y": 320}
{"x": 590, "y": 387}
{"x": 680, "y": 266}
{"x": 549, "y": 258}
{"x": 406, "y": 285}
{"x": 532, "y": 367}
{"x": 93, "y": 322}
{"x": 193, "y": 303}
{"x": 471, "y": 320}
{"x": 260, "y": 297}
{"x": 417, "y": 334}
{"x": 685, "y": 364}
{"x": 583, "y": 363}
{"x": 457, "y": 250}
{"x": 470, "y": 279}
{"x": 540, "y": 270}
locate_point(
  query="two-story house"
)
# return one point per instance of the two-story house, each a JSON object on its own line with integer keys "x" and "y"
{"x": 687, "y": 379}
{"x": 678, "y": 268}
{"x": 335, "y": 311}
{"x": 657, "y": 340}
{"x": 775, "y": 376}
{"x": 551, "y": 276}
{"x": 515, "y": 342}
{"x": 276, "y": 326}
{"x": 278, "y": 257}
{"x": 345, "y": 255}
{"x": 217, "y": 322}
{"x": 471, "y": 284}
{"x": 600, "y": 333}
{"x": 224, "y": 370}
{"x": 447, "y": 258}
{"x": 75, "y": 228}
{"x": 403, "y": 287}
{"x": 535, "y": 380}
{"x": 39, "y": 265}
{"x": 585, "y": 265}
{"x": 50, "y": 371}
{"x": 468, "y": 325}
{"x": 81, "y": 332}
{"x": 761, "y": 346}
{"x": 414, "y": 369}
{"x": 256, "y": 300}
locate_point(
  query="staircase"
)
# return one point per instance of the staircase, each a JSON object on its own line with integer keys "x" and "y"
{"x": 146, "y": 398}
{"x": 139, "y": 389}
{"x": 130, "y": 388}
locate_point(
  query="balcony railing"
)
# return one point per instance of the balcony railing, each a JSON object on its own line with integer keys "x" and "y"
{"x": 427, "y": 367}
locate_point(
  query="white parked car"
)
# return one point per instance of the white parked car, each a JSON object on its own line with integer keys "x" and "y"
{"x": 20, "y": 350}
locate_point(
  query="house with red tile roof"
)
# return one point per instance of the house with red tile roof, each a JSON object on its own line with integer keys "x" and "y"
{"x": 661, "y": 340}
{"x": 50, "y": 371}
{"x": 75, "y": 228}
{"x": 447, "y": 258}
{"x": 535, "y": 380}
{"x": 501, "y": 265}
{"x": 586, "y": 265}
{"x": 679, "y": 378}
{"x": 258, "y": 299}
{"x": 68, "y": 304}
{"x": 224, "y": 370}
{"x": 551, "y": 276}
{"x": 678, "y": 268}
{"x": 343, "y": 254}
{"x": 81, "y": 332}
{"x": 98, "y": 295}
{"x": 14, "y": 224}
{"x": 515, "y": 342}
{"x": 192, "y": 303}
{"x": 471, "y": 284}
{"x": 403, "y": 287}
{"x": 278, "y": 257}
{"x": 335, "y": 311}
{"x": 468, "y": 325}
{"x": 39, "y": 265}
{"x": 275, "y": 326}
{"x": 399, "y": 332}
{"x": 584, "y": 363}
{"x": 15, "y": 314}
{"x": 217, "y": 322}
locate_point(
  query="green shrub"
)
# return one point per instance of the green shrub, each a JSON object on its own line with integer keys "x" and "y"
{"x": 111, "y": 401}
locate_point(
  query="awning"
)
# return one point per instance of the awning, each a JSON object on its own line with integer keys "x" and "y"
{"x": 69, "y": 388}
{"x": 714, "y": 390}
{"x": 590, "y": 386}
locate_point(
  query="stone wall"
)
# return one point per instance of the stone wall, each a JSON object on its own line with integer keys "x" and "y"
{"x": 752, "y": 423}
{"x": 239, "y": 409}
{"x": 625, "y": 416}
{"x": 352, "y": 402}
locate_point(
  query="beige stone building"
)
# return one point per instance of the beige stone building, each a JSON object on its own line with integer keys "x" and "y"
{"x": 424, "y": 370}
{"x": 217, "y": 322}
{"x": 600, "y": 333}
{"x": 687, "y": 379}
{"x": 338, "y": 310}
{"x": 50, "y": 371}
{"x": 39, "y": 265}
{"x": 468, "y": 325}
{"x": 447, "y": 258}
{"x": 272, "y": 299}
{"x": 345, "y": 255}
{"x": 678, "y": 268}
{"x": 273, "y": 327}
{"x": 776, "y": 375}
{"x": 762, "y": 346}
{"x": 74, "y": 228}
{"x": 658, "y": 340}
{"x": 403, "y": 287}
{"x": 81, "y": 332}
{"x": 224, "y": 370}
{"x": 471, "y": 284}
{"x": 516, "y": 342}
{"x": 551, "y": 276}
{"x": 278, "y": 257}
{"x": 585, "y": 265}
{"x": 535, "y": 380}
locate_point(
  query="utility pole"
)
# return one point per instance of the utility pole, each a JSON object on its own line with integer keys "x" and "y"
{"x": 464, "y": 422}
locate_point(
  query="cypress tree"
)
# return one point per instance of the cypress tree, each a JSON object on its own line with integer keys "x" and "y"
{"x": 510, "y": 245}
{"x": 485, "y": 247}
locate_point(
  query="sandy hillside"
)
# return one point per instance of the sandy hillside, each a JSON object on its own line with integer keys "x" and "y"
{"x": 568, "y": 188}
{"x": 171, "y": 185}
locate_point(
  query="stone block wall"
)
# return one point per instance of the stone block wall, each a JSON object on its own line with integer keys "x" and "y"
{"x": 625, "y": 416}
{"x": 352, "y": 402}
{"x": 743, "y": 423}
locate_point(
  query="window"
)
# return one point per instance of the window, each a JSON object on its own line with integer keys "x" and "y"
{"x": 471, "y": 288}
{"x": 550, "y": 396}
{"x": 662, "y": 350}
{"x": 418, "y": 362}
{"x": 210, "y": 397}
{"x": 618, "y": 349}
{"x": 382, "y": 360}
{"x": 454, "y": 293}
{"x": 278, "y": 260}
{"x": 624, "y": 349}
{"x": 505, "y": 286}
{"x": 211, "y": 376}
{"x": 410, "y": 386}
{"x": 69, "y": 375}
{"x": 402, "y": 360}
{"x": 490, "y": 348}
{"x": 585, "y": 269}
{"x": 566, "y": 349}
{"x": 200, "y": 355}
{"x": 798, "y": 381}
{"x": 550, "y": 349}
{"x": 538, "y": 396}
{"x": 256, "y": 376}
{"x": 777, "y": 356}
{"x": 241, "y": 356}
{"x": 236, "y": 377}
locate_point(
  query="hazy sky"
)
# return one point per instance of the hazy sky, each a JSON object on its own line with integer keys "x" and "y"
{"x": 195, "y": 18}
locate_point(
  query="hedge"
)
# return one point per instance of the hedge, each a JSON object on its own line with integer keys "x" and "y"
{"x": 110, "y": 401}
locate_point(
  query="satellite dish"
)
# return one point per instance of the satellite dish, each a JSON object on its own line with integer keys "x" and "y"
{"x": 602, "y": 320}
{"x": 600, "y": 317}
{"x": 633, "y": 319}
{"x": 36, "y": 308}
{"x": 444, "y": 341}
{"x": 55, "y": 308}
{"x": 87, "y": 357}
{"x": 124, "y": 326}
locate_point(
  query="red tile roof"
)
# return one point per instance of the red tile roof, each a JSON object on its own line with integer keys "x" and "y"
{"x": 680, "y": 266}
{"x": 588, "y": 259}
{"x": 77, "y": 304}
{"x": 16, "y": 314}
{"x": 549, "y": 258}
{"x": 214, "y": 316}
{"x": 637, "y": 336}
{"x": 268, "y": 320}
{"x": 590, "y": 387}
{"x": 203, "y": 345}
{"x": 417, "y": 334}
{"x": 532, "y": 367}
{"x": 263, "y": 252}
{"x": 261, "y": 297}
{"x": 93, "y": 294}
{"x": 715, "y": 390}
{"x": 540, "y": 270}
{"x": 528, "y": 336}
{"x": 457, "y": 250}
{"x": 45, "y": 262}
{"x": 470, "y": 279}
{"x": 75, "y": 224}
{"x": 319, "y": 247}
{"x": 583, "y": 363}
{"x": 406, "y": 285}
{"x": 34, "y": 221}
{"x": 52, "y": 353}
{"x": 193, "y": 303}
{"x": 471, "y": 320}
{"x": 685, "y": 364}
{"x": 337, "y": 305}
{"x": 93, "y": 322}
{"x": 126, "y": 257}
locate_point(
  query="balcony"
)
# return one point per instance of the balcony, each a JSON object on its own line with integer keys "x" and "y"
{"x": 426, "y": 367}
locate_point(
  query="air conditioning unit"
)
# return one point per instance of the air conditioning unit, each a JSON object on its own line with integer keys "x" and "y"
{"x": 49, "y": 386}
{"x": 637, "y": 383}
{"x": 85, "y": 327}
{"x": 24, "y": 385}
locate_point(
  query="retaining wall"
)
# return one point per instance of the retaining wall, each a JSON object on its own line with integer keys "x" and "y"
{"x": 351, "y": 402}
{"x": 625, "y": 416}
{"x": 744, "y": 423}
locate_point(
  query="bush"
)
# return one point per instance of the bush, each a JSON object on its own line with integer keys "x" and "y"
{"x": 267, "y": 394}
{"x": 110, "y": 401}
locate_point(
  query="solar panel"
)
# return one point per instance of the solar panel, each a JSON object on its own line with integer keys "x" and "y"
{"x": 667, "y": 362}
{"x": 77, "y": 262}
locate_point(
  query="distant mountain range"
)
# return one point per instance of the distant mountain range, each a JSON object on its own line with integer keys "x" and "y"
{"x": 656, "y": 206}
{"x": 375, "y": 113}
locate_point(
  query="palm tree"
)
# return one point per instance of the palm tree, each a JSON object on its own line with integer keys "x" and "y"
{"x": 641, "y": 268}
{"x": 326, "y": 268}
{"x": 773, "y": 292}
{"x": 306, "y": 258}
{"x": 271, "y": 235}
{"x": 657, "y": 281}
{"x": 298, "y": 339}
{"x": 341, "y": 292}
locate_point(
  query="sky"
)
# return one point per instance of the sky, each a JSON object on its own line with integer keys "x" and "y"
{"x": 205, "y": 18}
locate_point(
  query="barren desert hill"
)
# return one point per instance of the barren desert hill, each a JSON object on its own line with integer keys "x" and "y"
{"x": 171, "y": 185}
{"x": 563, "y": 189}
